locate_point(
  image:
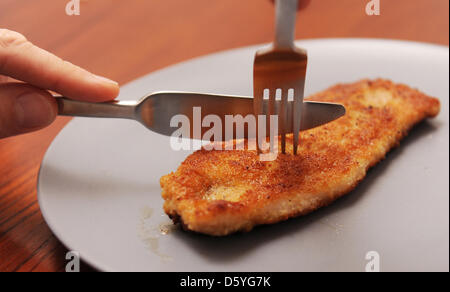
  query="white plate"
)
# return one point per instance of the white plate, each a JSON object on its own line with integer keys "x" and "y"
{"x": 99, "y": 182}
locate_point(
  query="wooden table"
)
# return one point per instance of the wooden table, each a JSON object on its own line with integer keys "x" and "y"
{"x": 126, "y": 39}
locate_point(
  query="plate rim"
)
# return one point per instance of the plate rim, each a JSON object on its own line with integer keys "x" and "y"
{"x": 98, "y": 264}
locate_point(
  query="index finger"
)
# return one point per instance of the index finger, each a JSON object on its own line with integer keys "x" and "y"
{"x": 22, "y": 60}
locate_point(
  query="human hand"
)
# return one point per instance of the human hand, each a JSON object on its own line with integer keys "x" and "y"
{"x": 27, "y": 106}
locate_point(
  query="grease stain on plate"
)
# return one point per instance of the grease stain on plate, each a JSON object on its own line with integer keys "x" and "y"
{"x": 150, "y": 233}
{"x": 338, "y": 228}
{"x": 167, "y": 227}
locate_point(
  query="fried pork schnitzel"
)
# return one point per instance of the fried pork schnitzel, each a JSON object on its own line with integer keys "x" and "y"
{"x": 221, "y": 192}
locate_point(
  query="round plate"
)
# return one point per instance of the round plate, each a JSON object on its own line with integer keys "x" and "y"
{"x": 99, "y": 183}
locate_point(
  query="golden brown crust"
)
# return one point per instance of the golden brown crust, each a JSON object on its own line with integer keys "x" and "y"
{"x": 221, "y": 192}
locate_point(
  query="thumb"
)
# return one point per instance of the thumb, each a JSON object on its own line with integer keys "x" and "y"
{"x": 24, "y": 108}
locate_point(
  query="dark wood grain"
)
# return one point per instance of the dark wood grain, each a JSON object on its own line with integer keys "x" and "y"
{"x": 126, "y": 39}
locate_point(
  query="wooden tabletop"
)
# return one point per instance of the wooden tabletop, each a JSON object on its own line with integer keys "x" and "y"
{"x": 127, "y": 39}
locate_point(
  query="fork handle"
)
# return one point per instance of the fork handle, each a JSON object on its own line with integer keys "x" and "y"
{"x": 286, "y": 15}
{"x": 113, "y": 109}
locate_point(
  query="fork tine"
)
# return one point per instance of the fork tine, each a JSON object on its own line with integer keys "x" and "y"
{"x": 258, "y": 110}
{"x": 271, "y": 111}
{"x": 296, "y": 118}
{"x": 283, "y": 117}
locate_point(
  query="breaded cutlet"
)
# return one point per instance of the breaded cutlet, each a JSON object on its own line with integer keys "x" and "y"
{"x": 222, "y": 192}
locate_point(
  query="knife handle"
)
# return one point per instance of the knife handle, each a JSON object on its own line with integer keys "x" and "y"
{"x": 113, "y": 109}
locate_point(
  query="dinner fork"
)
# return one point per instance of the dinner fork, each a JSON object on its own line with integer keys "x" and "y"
{"x": 279, "y": 73}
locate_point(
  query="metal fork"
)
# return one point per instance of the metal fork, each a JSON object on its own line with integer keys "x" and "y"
{"x": 282, "y": 68}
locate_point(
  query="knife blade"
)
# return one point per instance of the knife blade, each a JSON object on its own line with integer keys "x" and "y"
{"x": 181, "y": 103}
